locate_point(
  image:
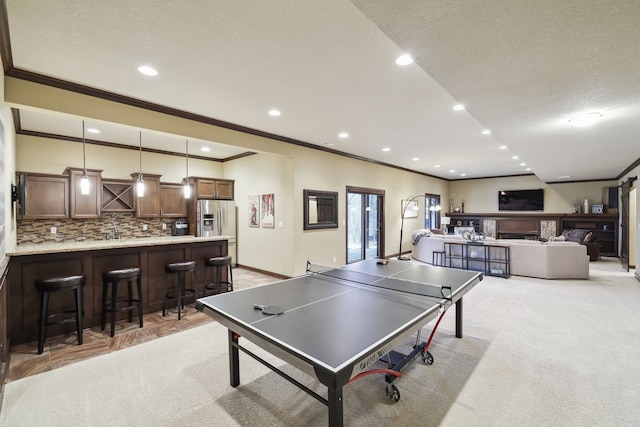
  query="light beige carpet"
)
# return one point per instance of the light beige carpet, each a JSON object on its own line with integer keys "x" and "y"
{"x": 535, "y": 352}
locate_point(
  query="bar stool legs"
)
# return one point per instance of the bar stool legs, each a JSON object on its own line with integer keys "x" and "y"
{"x": 438, "y": 258}
{"x": 179, "y": 268}
{"x": 216, "y": 285}
{"x": 59, "y": 284}
{"x": 112, "y": 277}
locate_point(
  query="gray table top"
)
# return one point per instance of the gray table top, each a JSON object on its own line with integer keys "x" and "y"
{"x": 336, "y": 321}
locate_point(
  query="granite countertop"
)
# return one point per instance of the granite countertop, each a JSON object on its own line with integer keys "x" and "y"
{"x": 50, "y": 248}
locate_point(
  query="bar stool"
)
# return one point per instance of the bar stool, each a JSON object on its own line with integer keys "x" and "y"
{"x": 218, "y": 264}
{"x": 59, "y": 284}
{"x": 112, "y": 277}
{"x": 179, "y": 268}
{"x": 438, "y": 258}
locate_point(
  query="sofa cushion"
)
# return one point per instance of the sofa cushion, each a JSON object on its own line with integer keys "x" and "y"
{"x": 577, "y": 235}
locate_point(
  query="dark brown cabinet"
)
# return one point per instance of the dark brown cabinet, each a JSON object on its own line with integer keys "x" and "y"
{"x": 603, "y": 226}
{"x": 148, "y": 206}
{"x": 4, "y": 341}
{"x": 44, "y": 196}
{"x": 117, "y": 196}
{"x": 172, "y": 201}
{"x": 221, "y": 189}
{"x": 85, "y": 205}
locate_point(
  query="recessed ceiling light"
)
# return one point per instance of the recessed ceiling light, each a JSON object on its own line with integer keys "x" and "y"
{"x": 523, "y": 164}
{"x": 436, "y": 166}
{"x": 147, "y": 70}
{"x": 415, "y": 159}
{"x": 404, "y": 59}
{"x": 386, "y": 149}
{"x": 205, "y": 149}
{"x": 586, "y": 119}
{"x": 528, "y": 169}
{"x": 452, "y": 170}
{"x": 515, "y": 157}
{"x": 503, "y": 147}
{"x": 343, "y": 135}
{"x": 564, "y": 176}
{"x": 458, "y": 107}
{"x": 463, "y": 174}
{"x": 93, "y": 130}
{"x": 486, "y": 132}
{"x": 274, "y": 113}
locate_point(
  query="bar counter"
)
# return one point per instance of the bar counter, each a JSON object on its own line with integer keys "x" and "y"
{"x": 30, "y": 262}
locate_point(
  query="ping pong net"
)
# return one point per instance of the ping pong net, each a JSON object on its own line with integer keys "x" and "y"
{"x": 380, "y": 281}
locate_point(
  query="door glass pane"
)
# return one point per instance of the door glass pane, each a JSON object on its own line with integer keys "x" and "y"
{"x": 354, "y": 218}
{"x": 373, "y": 224}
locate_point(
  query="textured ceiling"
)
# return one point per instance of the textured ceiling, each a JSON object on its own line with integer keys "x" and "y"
{"x": 522, "y": 69}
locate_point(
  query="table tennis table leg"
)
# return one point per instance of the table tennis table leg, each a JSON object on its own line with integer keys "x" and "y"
{"x": 459, "y": 318}
{"x": 334, "y": 402}
{"x": 234, "y": 360}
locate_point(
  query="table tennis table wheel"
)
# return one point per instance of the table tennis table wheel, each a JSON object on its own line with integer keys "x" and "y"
{"x": 427, "y": 358}
{"x": 392, "y": 392}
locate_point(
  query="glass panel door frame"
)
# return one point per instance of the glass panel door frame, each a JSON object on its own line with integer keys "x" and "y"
{"x": 367, "y": 228}
{"x": 432, "y": 208}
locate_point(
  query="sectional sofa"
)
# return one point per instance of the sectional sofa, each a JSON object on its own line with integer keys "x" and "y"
{"x": 531, "y": 258}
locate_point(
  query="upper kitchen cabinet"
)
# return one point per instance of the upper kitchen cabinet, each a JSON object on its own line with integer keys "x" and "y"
{"x": 172, "y": 201}
{"x": 43, "y": 196}
{"x": 207, "y": 188}
{"x": 117, "y": 196}
{"x": 85, "y": 205}
{"x": 148, "y": 206}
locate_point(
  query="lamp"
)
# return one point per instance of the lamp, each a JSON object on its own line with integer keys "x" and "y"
{"x": 187, "y": 188}
{"x": 445, "y": 220}
{"x": 408, "y": 203}
{"x": 140, "y": 182}
{"x": 84, "y": 180}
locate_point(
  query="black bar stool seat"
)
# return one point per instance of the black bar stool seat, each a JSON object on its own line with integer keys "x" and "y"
{"x": 113, "y": 277}
{"x": 181, "y": 292}
{"x": 52, "y": 285}
{"x": 216, "y": 284}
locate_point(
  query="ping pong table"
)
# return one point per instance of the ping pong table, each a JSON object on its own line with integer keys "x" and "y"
{"x": 337, "y": 322}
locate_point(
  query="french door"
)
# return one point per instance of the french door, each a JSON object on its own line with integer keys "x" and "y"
{"x": 365, "y": 224}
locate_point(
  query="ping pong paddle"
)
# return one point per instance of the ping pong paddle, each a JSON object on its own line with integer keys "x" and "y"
{"x": 269, "y": 309}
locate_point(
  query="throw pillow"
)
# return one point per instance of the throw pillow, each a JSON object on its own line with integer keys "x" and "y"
{"x": 577, "y": 235}
{"x": 560, "y": 238}
{"x": 437, "y": 231}
{"x": 416, "y": 235}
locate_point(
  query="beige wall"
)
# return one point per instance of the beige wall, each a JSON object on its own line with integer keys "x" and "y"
{"x": 481, "y": 195}
{"x": 9, "y": 226}
{"x": 53, "y": 156}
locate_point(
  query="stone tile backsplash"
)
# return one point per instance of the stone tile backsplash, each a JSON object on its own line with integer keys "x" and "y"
{"x": 79, "y": 230}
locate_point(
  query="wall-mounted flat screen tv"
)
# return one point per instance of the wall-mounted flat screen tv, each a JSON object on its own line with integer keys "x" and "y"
{"x": 521, "y": 200}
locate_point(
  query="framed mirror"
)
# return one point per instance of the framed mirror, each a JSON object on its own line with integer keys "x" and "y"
{"x": 320, "y": 209}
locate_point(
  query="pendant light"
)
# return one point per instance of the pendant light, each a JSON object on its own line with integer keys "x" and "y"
{"x": 140, "y": 182}
{"x": 84, "y": 180}
{"x": 187, "y": 188}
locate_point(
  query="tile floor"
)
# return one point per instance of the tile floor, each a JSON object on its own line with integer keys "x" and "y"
{"x": 64, "y": 350}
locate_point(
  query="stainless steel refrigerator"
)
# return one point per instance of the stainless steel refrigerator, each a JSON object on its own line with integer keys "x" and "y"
{"x": 218, "y": 218}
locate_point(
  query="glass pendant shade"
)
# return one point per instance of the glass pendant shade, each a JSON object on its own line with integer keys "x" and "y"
{"x": 187, "y": 188}
{"x": 84, "y": 180}
{"x": 84, "y": 183}
{"x": 140, "y": 181}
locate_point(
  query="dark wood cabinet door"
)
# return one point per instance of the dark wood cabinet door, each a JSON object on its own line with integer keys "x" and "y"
{"x": 46, "y": 197}
{"x": 85, "y": 205}
{"x": 148, "y": 206}
{"x": 172, "y": 201}
{"x": 224, "y": 190}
